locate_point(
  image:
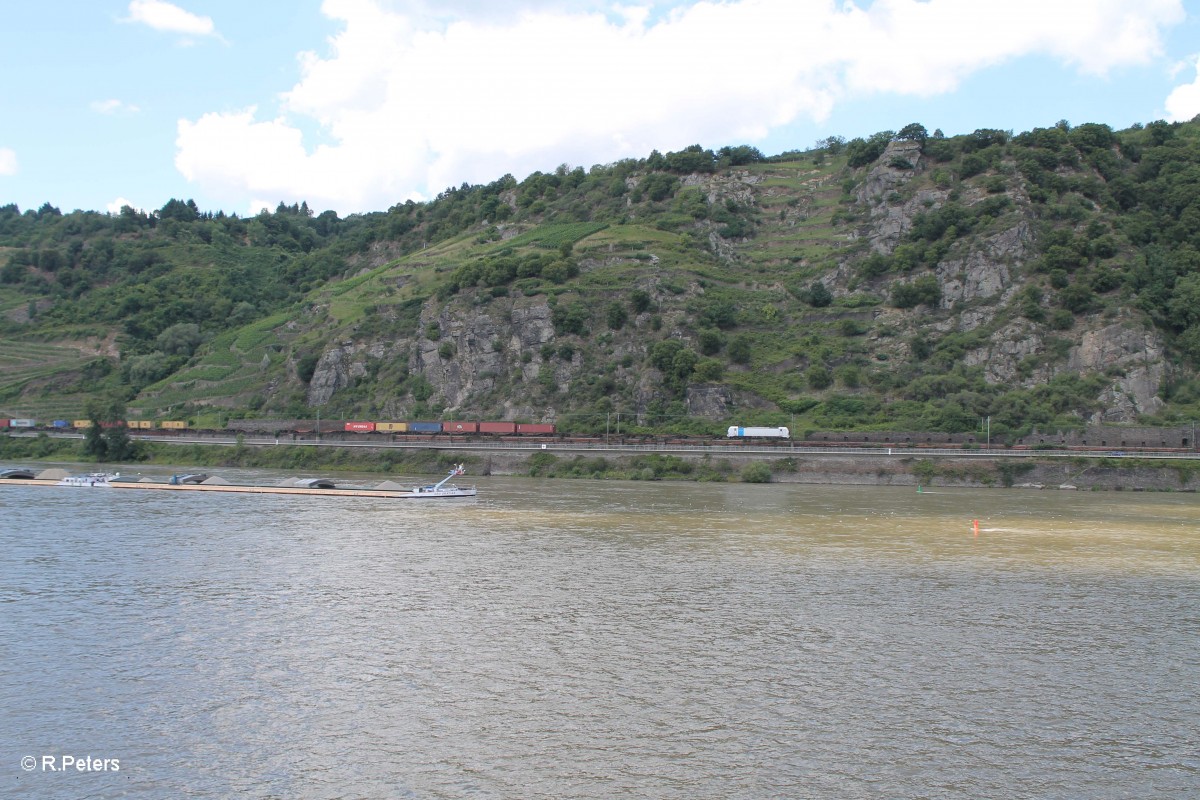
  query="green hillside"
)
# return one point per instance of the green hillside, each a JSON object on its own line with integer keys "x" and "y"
{"x": 899, "y": 282}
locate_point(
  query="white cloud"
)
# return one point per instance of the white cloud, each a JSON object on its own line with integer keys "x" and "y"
{"x": 163, "y": 16}
{"x": 8, "y": 161}
{"x": 113, "y": 107}
{"x": 116, "y": 205}
{"x": 1184, "y": 101}
{"x": 412, "y": 103}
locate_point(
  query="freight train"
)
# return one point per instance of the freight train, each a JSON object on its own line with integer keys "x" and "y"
{"x": 1116, "y": 442}
{"x": 499, "y": 428}
{"x": 81, "y": 424}
{"x": 303, "y": 426}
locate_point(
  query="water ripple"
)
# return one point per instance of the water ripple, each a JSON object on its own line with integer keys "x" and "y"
{"x": 580, "y": 640}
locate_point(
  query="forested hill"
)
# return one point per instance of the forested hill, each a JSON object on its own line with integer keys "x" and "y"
{"x": 905, "y": 281}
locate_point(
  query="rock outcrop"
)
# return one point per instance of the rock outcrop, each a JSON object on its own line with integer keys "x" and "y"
{"x": 1135, "y": 357}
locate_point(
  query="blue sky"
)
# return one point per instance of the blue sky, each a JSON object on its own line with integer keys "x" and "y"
{"x": 355, "y": 105}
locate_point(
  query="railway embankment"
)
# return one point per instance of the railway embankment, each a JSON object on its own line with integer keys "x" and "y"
{"x": 860, "y": 469}
{"x": 877, "y": 467}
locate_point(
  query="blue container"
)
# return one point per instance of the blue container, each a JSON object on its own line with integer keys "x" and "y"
{"x": 424, "y": 427}
{"x": 61, "y": 423}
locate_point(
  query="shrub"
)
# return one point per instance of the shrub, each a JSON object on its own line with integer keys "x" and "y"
{"x": 756, "y": 473}
{"x": 709, "y": 370}
{"x": 922, "y": 291}
{"x": 710, "y": 342}
{"x": 819, "y": 377}
{"x": 817, "y": 295}
{"x": 739, "y": 350}
{"x": 306, "y": 366}
{"x": 616, "y": 316}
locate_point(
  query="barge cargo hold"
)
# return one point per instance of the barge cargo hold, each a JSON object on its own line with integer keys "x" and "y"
{"x": 310, "y": 487}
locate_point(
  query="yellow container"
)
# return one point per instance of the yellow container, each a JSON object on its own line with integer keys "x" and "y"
{"x": 81, "y": 423}
{"x": 392, "y": 427}
{"x": 174, "y": 425}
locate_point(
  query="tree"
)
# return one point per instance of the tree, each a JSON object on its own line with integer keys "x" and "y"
{"x": 860, "y": 152}
{"x": 692, "y": 158}
{"x": 570, "y": 319}
{"x": 141, "y": 371}
{"x": 914, "y": 132}
{"x": 1184, "y": 307}
{"x": 179, "y": 210}
{"x": 817, "y": 295}
{"x": 674, "y": 361}
{"x": 922, "y": 291}
{"x": 659, "y": 186}
{"x": 819, "y": 377}
{"x": 710, "y": 342}
{"x": 13, "y": 271}
{"x": 180, "y": 339}
{"x": 94, "y": 443}
{"x": 616, "y": 316}
{"x": 306, "y": 366}
{"x": 106, "y": 438}
{"x": 719, "y": 313}
{"x": 709, "y": 370}
{"x": 740, "y": 350}
{"x": 738, "y": 156}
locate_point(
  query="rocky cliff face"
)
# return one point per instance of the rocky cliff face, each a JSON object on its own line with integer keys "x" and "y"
{"x": 477, "y": 349}
{"x": 979, "y": 280}
{"x": 1134, "y": 356}
{"x": 492, "y": 352}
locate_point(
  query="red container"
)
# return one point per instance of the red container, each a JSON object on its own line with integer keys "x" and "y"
{"x": 534, "y": 428}
{"x": 360, "y": 427}
{"x": 497, "y": 427}
{"x": 460, "y": 427}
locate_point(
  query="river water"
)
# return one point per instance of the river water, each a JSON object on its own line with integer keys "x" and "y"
{"x": 578, "y": 639}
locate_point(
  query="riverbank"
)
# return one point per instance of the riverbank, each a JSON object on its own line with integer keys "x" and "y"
{"x": 873, "y": 469}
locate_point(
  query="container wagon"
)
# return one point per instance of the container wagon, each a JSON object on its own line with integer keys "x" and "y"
{"x": 737, "y": 432}
{"x": 534, "y": 429}
{"x": 460, "y": 427}
{"x": 498, "y": 427}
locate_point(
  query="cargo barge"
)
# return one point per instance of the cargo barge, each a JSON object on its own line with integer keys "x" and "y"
{"x": 318, "y": 487}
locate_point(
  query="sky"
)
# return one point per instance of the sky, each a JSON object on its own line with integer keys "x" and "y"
{"x": 357, "y": 105}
